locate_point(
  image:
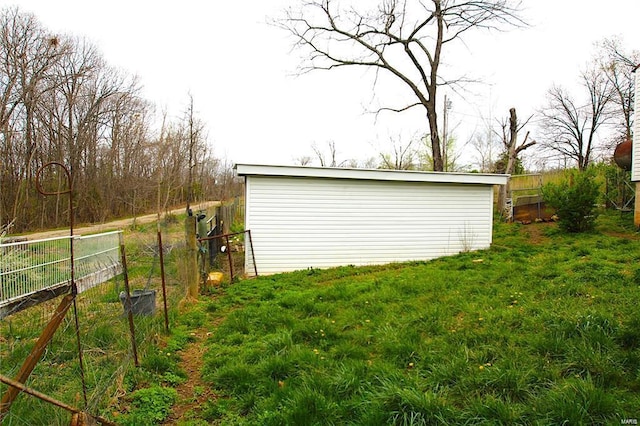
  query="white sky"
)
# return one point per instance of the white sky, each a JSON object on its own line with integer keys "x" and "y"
{"x": 240, "y": 70}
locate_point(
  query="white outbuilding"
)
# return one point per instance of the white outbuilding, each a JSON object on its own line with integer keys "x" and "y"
{"x": 302, "y": 217}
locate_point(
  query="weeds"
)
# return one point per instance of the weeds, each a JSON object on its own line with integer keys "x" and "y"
{"x": 149, "y": 406}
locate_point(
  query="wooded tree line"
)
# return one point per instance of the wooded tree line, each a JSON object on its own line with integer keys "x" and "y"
{"x": 60, "y": 101}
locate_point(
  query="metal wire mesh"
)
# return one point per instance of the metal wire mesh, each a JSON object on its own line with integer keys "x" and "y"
{"x": 97, "y": 259}
{"x": 33, "y": 269}
{"x": 30, "y": 266}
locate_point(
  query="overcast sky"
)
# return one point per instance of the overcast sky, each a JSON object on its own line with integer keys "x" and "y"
{"x": 241, "y": 71}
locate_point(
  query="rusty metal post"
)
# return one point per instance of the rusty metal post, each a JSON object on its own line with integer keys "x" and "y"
{"x": 253, "y": 256}
{"x": 226, "y": 238}
{"x": 80, "y": 357}
{"x": 164, "y": 285}
{"x": 129, "y": 305}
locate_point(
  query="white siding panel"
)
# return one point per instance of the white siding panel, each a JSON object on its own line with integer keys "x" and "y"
{"x": 635, "y": 153}
{"x": 298, "y": 223}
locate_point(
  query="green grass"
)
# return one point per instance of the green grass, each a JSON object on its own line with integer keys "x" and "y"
{"x": 543, "y": 328}
{"x": 528, "y": 332}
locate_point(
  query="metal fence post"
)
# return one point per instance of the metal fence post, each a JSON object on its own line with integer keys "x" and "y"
{"x": 132, "y": 329}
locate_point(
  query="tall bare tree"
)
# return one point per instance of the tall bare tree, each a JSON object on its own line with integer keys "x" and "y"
{"x": 618, "y": 65}
{"x": 510, "y": 130}
{"x": 28, "y": 55}
{"x": 510, "y": 133}
{"x": 404, "y": 38}
{"x": 196, "y": 148}
{"x": 570, "y": 126}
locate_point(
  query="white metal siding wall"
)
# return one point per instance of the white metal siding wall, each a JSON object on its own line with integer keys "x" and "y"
{"x": 298, "y": 223}
{"x": 635, "y": 154}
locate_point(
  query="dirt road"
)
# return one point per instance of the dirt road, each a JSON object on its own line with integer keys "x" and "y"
{"x": 114, "y": 225}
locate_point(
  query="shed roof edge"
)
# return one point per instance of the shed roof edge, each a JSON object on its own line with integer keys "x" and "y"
{"x": 370, "y": 174}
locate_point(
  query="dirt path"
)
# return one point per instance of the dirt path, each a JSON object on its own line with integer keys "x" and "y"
{"x": 114, "y": 225}
{"x": 193, "y": 393}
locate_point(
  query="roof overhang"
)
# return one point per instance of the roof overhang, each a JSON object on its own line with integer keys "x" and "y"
{"x": 370, "y": 174}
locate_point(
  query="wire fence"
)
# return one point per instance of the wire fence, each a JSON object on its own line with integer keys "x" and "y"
{"x": 97, "y": 259}
{"x": 105, "y": 341}
{"x": 32, "y": 272}
{"x": 31, "y": 266}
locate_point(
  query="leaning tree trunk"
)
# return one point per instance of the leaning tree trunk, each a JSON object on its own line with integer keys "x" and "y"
{"x": 512, "y": 150}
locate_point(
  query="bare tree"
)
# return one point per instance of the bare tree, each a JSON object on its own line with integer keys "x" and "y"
{"x": 227, "y": 184}
{"x": 404, "y": 38}
{"x": 510, "y": 133}
{"x": 570, "y": 126}
{"x": 59, "y": 100}
{"x": 509, "y": 137}
{"x": 327, "y": 161}
{"x": 197, "y": 150}
{"x": 402, "y": 157}
{"x": 303, "y": 160}
{"x": 170, "y": 161}
{"x": 486, "y": 149}
{"x": 28, "y": 55}
{"x": 618, "y": 66}
{"x": 87, "y": 94}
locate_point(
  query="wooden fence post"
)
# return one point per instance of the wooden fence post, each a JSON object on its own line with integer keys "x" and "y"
{"x": 191, "y": 258}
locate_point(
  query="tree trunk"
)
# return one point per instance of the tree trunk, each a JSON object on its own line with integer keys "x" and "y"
{"x": 512, "y": 153}
{"x": 435, "y": 143}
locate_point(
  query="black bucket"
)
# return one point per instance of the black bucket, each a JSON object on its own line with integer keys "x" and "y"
{"x": 142, "y": 301}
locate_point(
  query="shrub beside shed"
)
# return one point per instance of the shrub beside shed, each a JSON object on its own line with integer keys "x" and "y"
{"x": 302, "y": 217}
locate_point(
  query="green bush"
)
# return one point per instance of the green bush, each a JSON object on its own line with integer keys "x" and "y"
{"x": 574, "y": 200}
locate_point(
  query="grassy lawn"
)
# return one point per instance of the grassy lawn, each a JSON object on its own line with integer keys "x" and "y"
{"x": 543, "y": 328}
